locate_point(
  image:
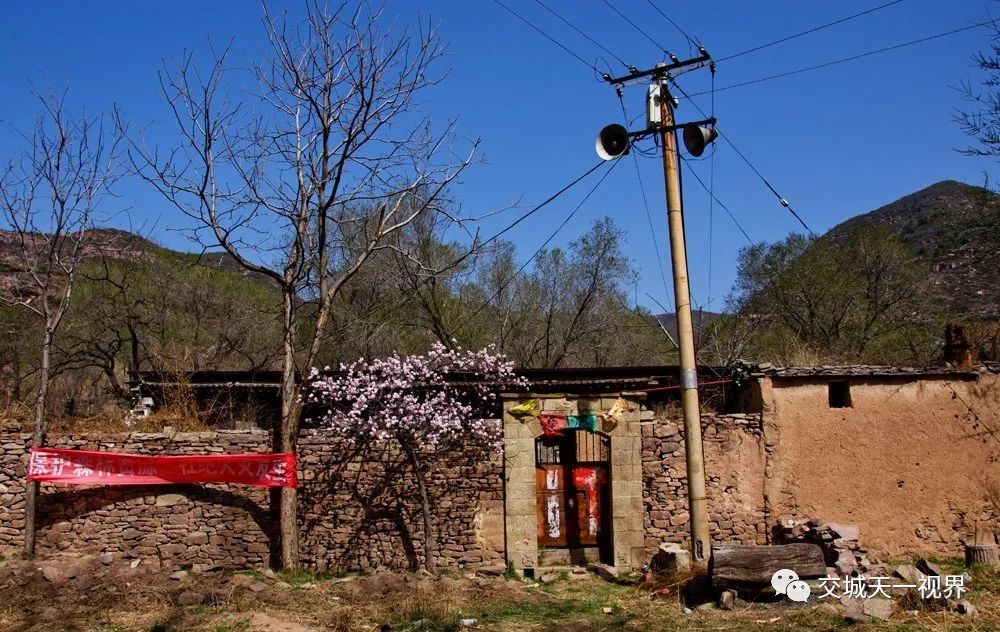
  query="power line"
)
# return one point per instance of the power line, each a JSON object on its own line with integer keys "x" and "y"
{"x": 548, "y": 37}
{"x": 545, "y": 243}
{"x": 634, "y": 25}
{"x": 544, "y": 203}
{"x": 691, "y": 41}
{"x": 645, "y": 204}
{"x": 781, "y": 200}
{"x": 587, "y": 37}
{"x": 719, "y": 202}
{"x": 851, "y": 58}
{"x": 807, "y": 32}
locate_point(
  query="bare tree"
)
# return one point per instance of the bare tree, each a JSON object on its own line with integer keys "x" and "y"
{"x": 49, "y": 197}
{"x": 331, "y": 151}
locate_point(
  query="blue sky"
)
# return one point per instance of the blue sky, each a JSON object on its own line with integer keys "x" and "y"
{"x": 835, "y": 142}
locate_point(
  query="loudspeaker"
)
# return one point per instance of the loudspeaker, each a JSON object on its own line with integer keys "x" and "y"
{"x": 612, "y": 142}
{"x": 696, "y": 138}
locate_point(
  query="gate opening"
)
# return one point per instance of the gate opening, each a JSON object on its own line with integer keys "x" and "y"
{"x": 573, "y": 496}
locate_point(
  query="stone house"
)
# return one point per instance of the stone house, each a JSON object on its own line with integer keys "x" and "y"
{"x": 908, "y": 455}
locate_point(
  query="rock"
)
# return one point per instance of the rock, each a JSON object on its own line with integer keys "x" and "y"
{"x": 908, "y": 573}
{"x": 54, "y": 573}
{"x": 966, "y": 579}
{"x": 188, "y": 598}
{"x": 607, "y": 610}
{"x": 268, "y": 573}
{"x": 491, "y": 571}
{"x": 465, "y": 623}
{"x": 659, "y": 593}
{"x": 843, "y": 531}
{"x": 604, "y": 571}
{"x": 928, "y": 567}
{"x": 846, "y": 563}
{"x": 669, "y": 559}
{"x": 169, "y": 500}
{"x": 827, "y": 609}
{"x": 878, "y": 608}
{"x": 257, "y": 586}
{"x": 963, "y": 607}
{"x": 548, "y": 576}
{"x": 727, "y": 599}
{"x": 854, "y": 610}
{"x": 106, "y": 558}
{"x": 178, "y": 575}
{"x": 134, "y": 563}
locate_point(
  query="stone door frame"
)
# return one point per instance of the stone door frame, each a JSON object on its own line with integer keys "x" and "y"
{"x": 520, "y": 518}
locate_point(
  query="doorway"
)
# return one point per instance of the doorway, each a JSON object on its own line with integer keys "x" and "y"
{"x": 573, "y": 503}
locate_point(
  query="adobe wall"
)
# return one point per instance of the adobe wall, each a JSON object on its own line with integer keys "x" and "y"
{"x": 908, "y": 463}
{"x": 734, "y": 466}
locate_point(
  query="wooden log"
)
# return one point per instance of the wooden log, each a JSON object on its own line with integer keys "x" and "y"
{"x": 987, "y": 554}
{"x": 751, "y": 567}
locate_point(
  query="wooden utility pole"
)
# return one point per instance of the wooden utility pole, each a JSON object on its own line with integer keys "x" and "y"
{"x": 701, "y": 544}
{"x": 614, "y": 142}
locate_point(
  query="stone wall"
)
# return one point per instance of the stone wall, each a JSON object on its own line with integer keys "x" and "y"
{"x": 734, "y": 464}
{"x": 169, "y": 526}
{"x": 360, "y": 508}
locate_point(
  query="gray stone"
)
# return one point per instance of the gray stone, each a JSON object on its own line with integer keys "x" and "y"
{"x": 928, "y": 567}
{"x": 669, "y": 559}
{"x": 846, "y": 563}
{"x": 178, "y": 575}
{"x": 844, "y": 531}
{"x": 604, "y": 572}
{"x": 908, "y": 573}
{"x": 106, "y": 558}
{"x": 854, "y": 610}
{"x": 727, "y": 599}
{"x": 188, "y": 598}
{"x": 169, "y": 500}
{"x": 257, "y": 587}
{"x": 878, "y": 608}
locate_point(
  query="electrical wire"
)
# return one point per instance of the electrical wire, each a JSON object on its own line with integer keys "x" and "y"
{"x": 645, "y": 205}
{"x": 548, "y": 37}
{"x": 691, "y": 42}
{"x": 807, "y": 32}
{"x": 781, "y": 200}
{"x": 851, "y": 58}
{"x": 635, "y": 26}
{"x": 587, "y": 37}
{"x": 544, "y": 203}
{"x": 545, "y": 243}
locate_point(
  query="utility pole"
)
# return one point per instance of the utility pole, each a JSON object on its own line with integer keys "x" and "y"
{"x": 701, "y": 544}
{"x": 613, "y": 142}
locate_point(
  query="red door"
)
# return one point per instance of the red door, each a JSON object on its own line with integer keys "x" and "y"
{"x": 570, "y": 491}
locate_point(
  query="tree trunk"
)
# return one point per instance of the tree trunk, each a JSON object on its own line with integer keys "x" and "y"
{"x": 37, "y": 441}
{"x": 751, "y": 567}
{"x": 425, "y": 506}
{"x": 285, "y": 436}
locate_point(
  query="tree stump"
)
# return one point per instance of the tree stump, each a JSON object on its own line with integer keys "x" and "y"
{"x": 986, "y": 554}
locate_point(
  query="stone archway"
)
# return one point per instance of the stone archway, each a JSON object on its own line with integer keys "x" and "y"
{"x": 520, "y": 499}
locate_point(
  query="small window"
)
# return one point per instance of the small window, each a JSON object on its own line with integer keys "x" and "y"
{"x": 840, "y": 394}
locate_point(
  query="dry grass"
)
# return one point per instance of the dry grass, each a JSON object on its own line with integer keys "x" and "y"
{"x": 143, "y": 601}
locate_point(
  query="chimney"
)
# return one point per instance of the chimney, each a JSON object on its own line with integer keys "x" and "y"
{"x": 957, "y": 350}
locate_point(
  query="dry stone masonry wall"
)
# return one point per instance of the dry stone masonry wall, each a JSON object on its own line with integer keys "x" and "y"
{"x": 734, "y": 464}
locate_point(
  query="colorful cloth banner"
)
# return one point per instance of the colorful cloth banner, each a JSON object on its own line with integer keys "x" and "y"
{"x": 82, "y": 467}
{"x": 528, "y": 408}
{"x": 587, "y": 422}
{"x": 552, "y": 423}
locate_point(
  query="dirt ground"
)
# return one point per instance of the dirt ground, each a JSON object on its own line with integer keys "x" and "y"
{"x": 88, "y": 595}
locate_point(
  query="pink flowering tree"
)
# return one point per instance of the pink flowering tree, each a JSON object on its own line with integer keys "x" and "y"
{"x": 423, "y": 403}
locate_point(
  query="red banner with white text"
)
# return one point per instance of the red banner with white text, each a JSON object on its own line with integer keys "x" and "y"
{"x": 82, "y": 467}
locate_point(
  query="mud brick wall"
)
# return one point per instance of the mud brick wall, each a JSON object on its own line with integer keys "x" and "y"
{"x": 734, "y": 463}
{"x": 170, "y": 526}
{"x": 360, "y": 509}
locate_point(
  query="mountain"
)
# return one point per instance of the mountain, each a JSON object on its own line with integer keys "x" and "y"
{"x": 116, "y": 245}
{"x": 955, "y": 228}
